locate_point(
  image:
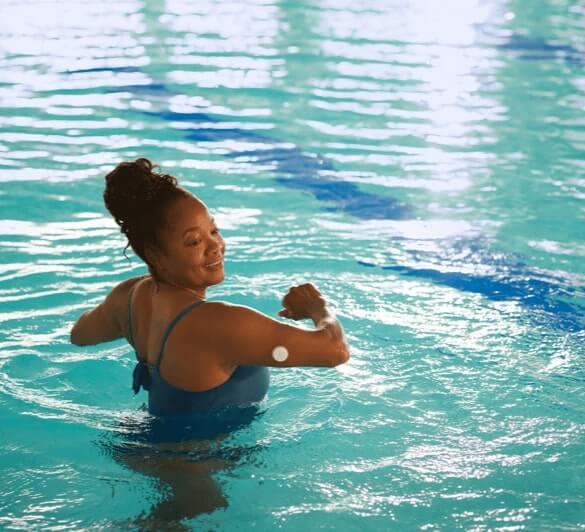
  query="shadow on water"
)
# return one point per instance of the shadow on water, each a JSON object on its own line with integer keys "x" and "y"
{"x": 182, "y": 456}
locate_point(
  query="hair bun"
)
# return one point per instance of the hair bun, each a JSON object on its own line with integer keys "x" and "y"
{"x": 131, "y": 189}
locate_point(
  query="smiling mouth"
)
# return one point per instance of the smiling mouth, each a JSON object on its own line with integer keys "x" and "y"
{"x": 214, "y": 265}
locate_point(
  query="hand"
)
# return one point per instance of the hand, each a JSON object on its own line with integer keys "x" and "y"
{"x": 303, "y": 301}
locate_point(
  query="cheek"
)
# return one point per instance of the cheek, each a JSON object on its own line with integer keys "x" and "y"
{"x": 189, "y": 256}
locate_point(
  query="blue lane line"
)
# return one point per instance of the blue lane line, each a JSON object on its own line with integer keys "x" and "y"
{"x": 303, "y": 171}
{"x": 142, "y": 88}
{"x": 113, "y": 70}
{"x": 296, "y": 168}
{"x": 539, "y": 49}
{"x": 535, "y": 44}
{"x": 509, "y": 280}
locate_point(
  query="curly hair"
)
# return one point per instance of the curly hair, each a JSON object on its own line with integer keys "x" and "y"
{"x": 138, "y": 197}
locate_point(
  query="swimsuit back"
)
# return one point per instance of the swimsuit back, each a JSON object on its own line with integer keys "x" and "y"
{"x": 246, "y": 386}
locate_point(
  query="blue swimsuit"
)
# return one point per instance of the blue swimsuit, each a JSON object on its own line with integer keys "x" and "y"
{"x": 246, "y": 386}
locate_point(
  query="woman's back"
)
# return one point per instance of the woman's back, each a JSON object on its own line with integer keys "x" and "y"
{"x": 180, "y": 378}
{"x": 183, "y": 363}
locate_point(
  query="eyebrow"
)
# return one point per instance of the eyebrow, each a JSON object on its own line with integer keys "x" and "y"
{"x": 195, "y": 227}
{"x": 190, "y": 229}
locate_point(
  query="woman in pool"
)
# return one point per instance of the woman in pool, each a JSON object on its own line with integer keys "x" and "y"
{"x": 195, "y": 356}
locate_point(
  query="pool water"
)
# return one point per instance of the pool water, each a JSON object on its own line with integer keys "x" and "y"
{"x": 420, "y": 161}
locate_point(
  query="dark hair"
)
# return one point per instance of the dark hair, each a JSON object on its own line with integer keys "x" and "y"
{"x": 137, "y": 198}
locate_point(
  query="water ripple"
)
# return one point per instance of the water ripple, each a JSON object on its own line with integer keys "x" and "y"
{"x": 420, "y": 165}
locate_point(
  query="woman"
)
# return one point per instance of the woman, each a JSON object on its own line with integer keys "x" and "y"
{"x": 195, "y": 356}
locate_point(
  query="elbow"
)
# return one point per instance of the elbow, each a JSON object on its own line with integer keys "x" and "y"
{"x": 75, "y": 337}
{"x": 76, "y": 334}
{"x": 339, "y": 356}
{"x": 338, "y": 351}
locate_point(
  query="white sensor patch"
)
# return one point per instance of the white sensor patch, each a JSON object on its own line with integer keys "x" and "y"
{"x": 280, "y": 353}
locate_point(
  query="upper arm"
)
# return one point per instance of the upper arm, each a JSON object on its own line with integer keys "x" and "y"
{"x": 105, "y": 322}
{"x": 243, "y": 336}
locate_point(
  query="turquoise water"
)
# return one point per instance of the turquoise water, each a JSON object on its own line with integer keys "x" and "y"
{"x": 420, "y": 161}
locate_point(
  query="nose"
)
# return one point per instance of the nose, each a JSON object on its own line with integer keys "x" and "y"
{"x": 216, "y": 247}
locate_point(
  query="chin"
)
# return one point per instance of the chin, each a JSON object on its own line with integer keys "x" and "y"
{"x": 218, "y": 279}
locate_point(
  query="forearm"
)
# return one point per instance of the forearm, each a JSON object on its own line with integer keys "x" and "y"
{"x": 305, "y": 301}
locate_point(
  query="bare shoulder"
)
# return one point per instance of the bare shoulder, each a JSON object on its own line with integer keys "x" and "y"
{"x": 220, "y": 320}
{"x": 225, "y": 313}
{"x": 107, "y": 321}
{"x": 119, "y": 294}
{"x": 126, "y": 285}
{"x": 225, "y": 308}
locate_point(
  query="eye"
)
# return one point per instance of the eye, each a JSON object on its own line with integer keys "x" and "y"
{"x": 215, "y": 231}
{"x": 192, "y": 242}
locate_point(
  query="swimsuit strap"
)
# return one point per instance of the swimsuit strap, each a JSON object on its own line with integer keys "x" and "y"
{"x": 130, "y": 336}
{"x": 171, "y": 326}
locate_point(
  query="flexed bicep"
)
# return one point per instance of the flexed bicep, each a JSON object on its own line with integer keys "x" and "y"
{"x": 249, "y": 337}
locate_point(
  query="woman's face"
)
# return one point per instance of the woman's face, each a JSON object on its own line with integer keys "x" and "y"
{"x": 191, "y": 248}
